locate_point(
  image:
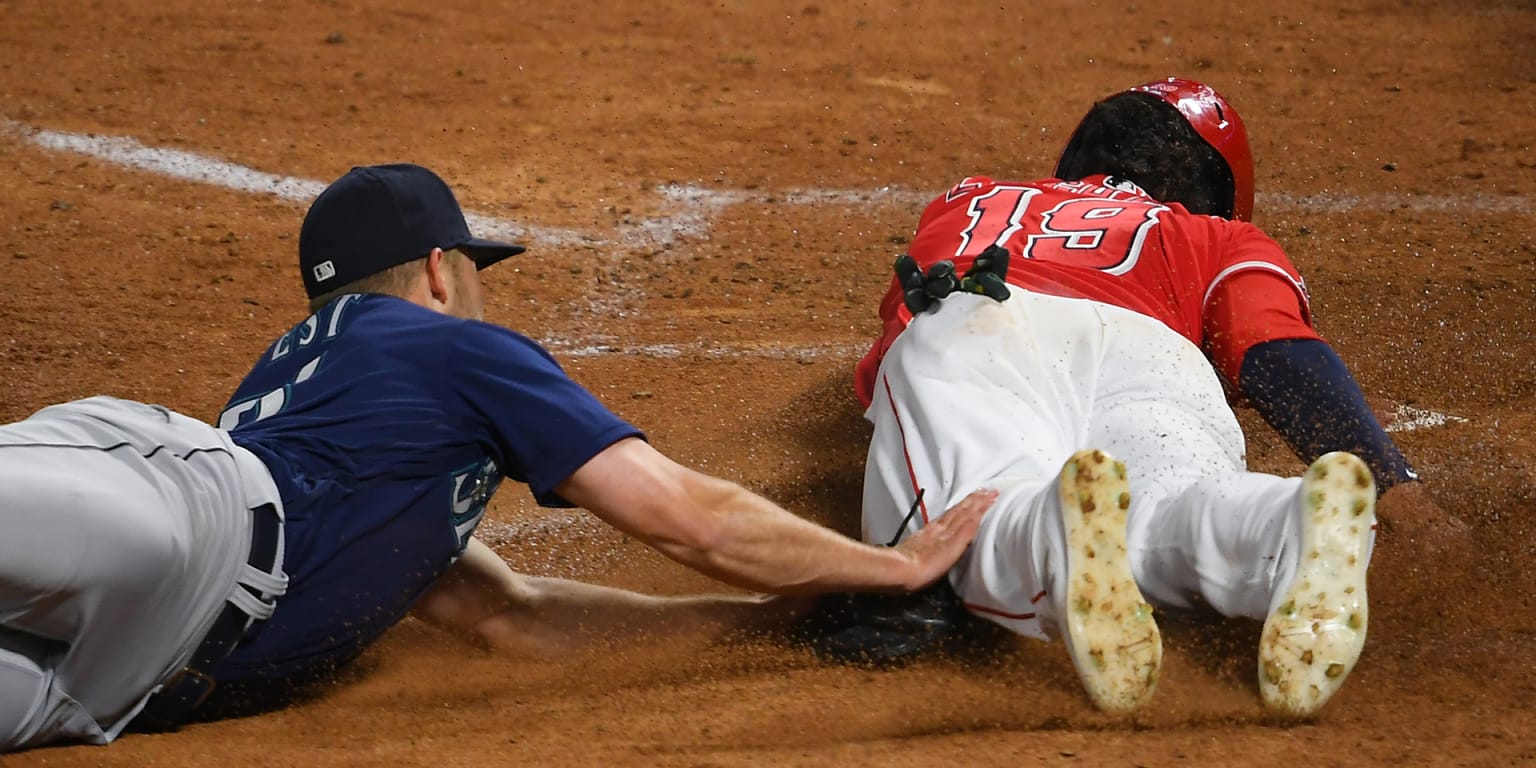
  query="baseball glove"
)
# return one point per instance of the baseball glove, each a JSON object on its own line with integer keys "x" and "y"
{"x": 885, "y": 630}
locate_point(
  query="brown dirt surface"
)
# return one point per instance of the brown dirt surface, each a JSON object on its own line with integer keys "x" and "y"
{"x": 712, "y": 193}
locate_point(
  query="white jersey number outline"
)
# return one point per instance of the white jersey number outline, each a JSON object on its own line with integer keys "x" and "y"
{"x": 1094, "y": 232}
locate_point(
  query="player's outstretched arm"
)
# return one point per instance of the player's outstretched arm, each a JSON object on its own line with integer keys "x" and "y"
{"x": 1304, "y": 391}
{"x": 1294, "y": 379}
{"x": 482, "y": 597}
{"x": 725, "y": 531}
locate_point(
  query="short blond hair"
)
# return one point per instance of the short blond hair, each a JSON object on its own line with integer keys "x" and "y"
{"x": 394, "y": 281}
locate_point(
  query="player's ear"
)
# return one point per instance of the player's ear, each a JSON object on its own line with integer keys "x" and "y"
{"x": 437, "y": 275}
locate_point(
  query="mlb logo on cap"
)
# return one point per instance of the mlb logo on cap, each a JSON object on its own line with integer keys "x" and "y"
{"x": 324, "y": 271}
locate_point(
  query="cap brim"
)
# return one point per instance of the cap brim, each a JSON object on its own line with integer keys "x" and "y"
{"x": 488, "y": 252}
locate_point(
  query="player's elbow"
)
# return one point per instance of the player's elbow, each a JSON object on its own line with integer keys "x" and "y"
{"x": 520, "y": 626}
{"x": 687, "y": 512}
{"x": 695, "y": 538}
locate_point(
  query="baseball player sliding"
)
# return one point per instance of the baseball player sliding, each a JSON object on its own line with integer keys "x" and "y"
{"x": 156, "y": 570}
{"x": 1065, "y": 341}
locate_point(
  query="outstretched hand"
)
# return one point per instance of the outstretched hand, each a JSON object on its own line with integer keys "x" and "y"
{"x": 939, "y": 545}
{"x": 890, "y": 629}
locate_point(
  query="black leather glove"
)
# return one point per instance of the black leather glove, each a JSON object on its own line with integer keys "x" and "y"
{"x": 921, "y": 291}
{"x": 884, "y": 630}
{"x": 987, "y": 276}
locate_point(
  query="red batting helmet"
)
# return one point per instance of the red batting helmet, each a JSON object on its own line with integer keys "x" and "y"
{"x": 1213, "y": 120}
{"x": 1218, "y": 123}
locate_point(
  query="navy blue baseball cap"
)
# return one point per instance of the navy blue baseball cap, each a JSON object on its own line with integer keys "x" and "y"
{"x": 379, "y": 216}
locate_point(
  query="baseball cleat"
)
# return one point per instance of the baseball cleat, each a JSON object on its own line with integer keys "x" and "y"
{"x": 1316, "y": 625}
{"x": 1107, "y": 624}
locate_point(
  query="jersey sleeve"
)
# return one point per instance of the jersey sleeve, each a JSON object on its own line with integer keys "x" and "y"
{"x": 1256, "y": 295}
{"x": 542, "y": 425}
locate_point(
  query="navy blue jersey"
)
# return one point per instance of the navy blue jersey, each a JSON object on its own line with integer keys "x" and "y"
{"x": 387, "y": 427}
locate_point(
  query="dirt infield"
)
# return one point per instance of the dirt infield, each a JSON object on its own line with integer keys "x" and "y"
{"x": 712, "y": 194}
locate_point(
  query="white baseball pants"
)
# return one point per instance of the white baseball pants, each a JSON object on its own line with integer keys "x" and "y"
{"x": 979, "y": 393}
{"x": 123, "y": 529}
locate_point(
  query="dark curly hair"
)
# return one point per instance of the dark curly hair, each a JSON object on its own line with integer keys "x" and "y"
{"x": 1141, "y": 138}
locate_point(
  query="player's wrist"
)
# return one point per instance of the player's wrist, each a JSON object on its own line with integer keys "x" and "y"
{"x": 892, "y": 571}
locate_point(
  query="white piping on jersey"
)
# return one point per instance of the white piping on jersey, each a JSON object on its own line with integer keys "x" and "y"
{"x": 1298, "y": 286}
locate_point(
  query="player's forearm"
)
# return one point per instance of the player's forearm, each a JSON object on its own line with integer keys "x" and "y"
{"x": 561, "y": 616}
{"x": 747, "y": 541}
{"x": 482, "y": 597}
{"x": 721, "y": 529}
{"x": 1303, "y": 390}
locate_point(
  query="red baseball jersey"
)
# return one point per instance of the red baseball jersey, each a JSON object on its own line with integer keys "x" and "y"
{"x": 1224, "y": 285}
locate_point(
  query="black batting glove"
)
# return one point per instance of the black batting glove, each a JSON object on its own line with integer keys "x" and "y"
{"x": 920, "y": 291}
{"x": 988, "y": 275}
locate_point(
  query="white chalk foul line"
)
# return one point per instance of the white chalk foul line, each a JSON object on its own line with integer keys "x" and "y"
{"x": 1406, "y": 418}
{"x": 173, "y": 163}
{"x": 693, "y": 210}
{"x": 693, "y": 207}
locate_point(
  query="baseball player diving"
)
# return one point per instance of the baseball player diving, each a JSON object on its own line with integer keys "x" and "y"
{"x": 155, "y": 569}
{"x": 1070, "y": 342}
